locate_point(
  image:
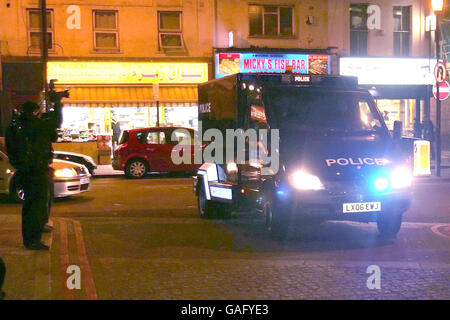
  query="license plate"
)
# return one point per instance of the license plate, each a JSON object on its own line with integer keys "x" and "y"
{"x": 84, "y": 180}
{"x": 361, "y": 207}
{"x": 223, "y": 193}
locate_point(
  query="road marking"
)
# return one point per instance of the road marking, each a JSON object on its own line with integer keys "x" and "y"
{"x": 64, "y": 257}
{"x": 442, "y": 230}
{"x": 88, "y": 279}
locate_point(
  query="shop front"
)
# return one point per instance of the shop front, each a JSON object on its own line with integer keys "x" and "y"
{"x": 401, "y": 88}
{"x": 230, "y": 61}
{"x": 109, "y": 97}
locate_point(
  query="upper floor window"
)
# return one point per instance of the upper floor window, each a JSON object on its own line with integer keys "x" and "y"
{"x": 402, "y": 30}
{"x": 270, "y": 20}
{"x": 358, "y": 29}
{"x": 170, "y": 30}
{"x": 106, "y": 31}
{"x": 34, "y": 29}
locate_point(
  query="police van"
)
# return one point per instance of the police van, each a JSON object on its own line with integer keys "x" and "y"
{"x": 323, "y": 152}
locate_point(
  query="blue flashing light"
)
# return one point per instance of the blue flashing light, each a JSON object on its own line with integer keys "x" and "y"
{"x": 280, "y": 192}
{"x": 381, "y": 184}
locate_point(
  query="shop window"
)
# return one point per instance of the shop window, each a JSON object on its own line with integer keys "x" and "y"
{"x": 270, "y": 20}
{"x": 358, "y": 30}
{"x": 106, "y": 32}
{"x": 170, "y": 29}
{"x": 402, "y": 30}
{"x": 34, "y": 29}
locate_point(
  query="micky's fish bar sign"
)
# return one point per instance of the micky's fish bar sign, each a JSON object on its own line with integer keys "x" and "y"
{"x": 230, "y": 63}
{"x": 127, "y": 72}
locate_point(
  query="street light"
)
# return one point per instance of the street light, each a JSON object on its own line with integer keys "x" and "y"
{"x": 437, "y": 6}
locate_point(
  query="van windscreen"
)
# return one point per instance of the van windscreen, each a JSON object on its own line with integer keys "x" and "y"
{"x": 323, "y": 111}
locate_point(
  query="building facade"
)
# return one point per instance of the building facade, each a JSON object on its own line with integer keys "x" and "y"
{"x": 390, "y": 47}
{"x": 122, "y": 61}
{"x": 138, "y": 62}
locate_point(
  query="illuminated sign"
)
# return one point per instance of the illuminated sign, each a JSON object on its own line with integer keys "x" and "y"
{"x": 230, "y": 63}
{"x": 127, "y": 72}
{"x": 389, "y": 71}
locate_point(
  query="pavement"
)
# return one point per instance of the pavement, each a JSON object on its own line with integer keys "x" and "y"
{"x": 107, "y": 171}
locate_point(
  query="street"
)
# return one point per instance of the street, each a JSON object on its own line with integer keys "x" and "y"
{"x": 143, "y": 239}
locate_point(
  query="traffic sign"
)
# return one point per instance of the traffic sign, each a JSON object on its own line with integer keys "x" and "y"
{"x": 444, "y": 90}
{"x": 440, "y": 72}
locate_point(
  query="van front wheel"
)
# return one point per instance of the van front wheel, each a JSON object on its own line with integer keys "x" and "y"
{"x": 389, "y": 224}
{"x": 277, "y": 221}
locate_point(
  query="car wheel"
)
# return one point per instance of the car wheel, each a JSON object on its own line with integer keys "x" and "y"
{"x": 389, "y": 224}
{"x": 136, "y": 169}
{"x": 277, "y": 220}
{"x": 206, "y": 208}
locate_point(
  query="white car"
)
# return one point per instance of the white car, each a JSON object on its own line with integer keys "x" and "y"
{"x": 69, "y": 178}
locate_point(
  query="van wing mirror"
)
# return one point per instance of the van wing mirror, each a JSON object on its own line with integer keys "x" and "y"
{"x": 398, "y": 129}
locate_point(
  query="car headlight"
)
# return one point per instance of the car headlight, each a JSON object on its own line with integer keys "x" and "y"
{"x": 65, "y": 173}
{"x": 304, "y": 181}
{"x": 401, "y": 178}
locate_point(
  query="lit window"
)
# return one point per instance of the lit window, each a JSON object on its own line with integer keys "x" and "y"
{"x": 106, "y": 32}
{"x": 358, "y": 29}
{"x": 170, "y": 29}
{"x": 270, "y": 20}
{"x": 34, "y": 29}
{"x": 402, "y": 27}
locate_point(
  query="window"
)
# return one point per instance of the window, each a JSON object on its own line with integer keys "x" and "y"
{"x": 270, "y": 21}
{"x": 151, "y": 137}
{"x": 34, "y": 29}
{"x": 170, "y": 29}
{"x": 106, "y": 32}
{"x": 402, "y": 28}
{"x": 358, "y": 29}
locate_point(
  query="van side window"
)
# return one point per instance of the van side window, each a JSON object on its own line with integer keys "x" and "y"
{"x": 256, "y": 119}
{"x": 367, "y": 116}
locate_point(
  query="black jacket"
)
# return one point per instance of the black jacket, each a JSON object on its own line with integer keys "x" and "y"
{"x": 39, "y": 134}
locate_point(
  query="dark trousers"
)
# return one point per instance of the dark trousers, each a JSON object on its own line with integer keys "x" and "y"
{"x": 38, "y": 188}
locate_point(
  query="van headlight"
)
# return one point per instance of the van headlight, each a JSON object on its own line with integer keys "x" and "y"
{"x": 232, "y": 167}
{"x": 401, "y": 178}
{"x": 304, "y": 181}
{"x": 65, "y": 173}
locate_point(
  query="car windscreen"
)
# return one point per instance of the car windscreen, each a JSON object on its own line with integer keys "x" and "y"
{"x": 316, "y": 110}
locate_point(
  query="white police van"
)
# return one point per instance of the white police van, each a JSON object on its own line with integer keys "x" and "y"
{"x": 328, "y": 154}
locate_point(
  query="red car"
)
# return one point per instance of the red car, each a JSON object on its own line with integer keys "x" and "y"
{"x": 149, "y": 150}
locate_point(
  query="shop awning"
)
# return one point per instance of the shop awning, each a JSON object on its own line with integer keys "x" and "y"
{"x": 123, "y": 96}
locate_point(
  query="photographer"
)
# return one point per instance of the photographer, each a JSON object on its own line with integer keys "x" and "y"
{"x": 29, "y": 140}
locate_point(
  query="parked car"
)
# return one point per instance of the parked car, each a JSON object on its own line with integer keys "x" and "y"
{"x": 69, "y": 178}
{"x": 145, "y": 150}
{"x": 85, "y": 160}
